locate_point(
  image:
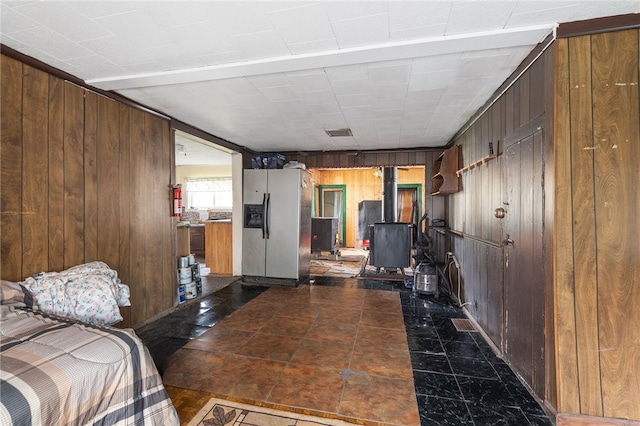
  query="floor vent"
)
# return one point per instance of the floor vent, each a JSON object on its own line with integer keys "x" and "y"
{"x": 463, "y": 324}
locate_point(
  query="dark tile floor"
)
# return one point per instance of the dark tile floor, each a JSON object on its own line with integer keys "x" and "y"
{"x": 458, "y": 379}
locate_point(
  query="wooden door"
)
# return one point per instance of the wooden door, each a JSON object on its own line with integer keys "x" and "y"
{"x": 523, "y": 265}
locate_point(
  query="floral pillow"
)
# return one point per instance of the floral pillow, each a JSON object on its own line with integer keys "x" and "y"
{"x": 90, "y": 293}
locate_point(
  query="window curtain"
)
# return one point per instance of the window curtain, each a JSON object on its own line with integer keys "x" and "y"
{"x": 207, "y": 184}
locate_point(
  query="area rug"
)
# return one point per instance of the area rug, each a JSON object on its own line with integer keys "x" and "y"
{"x": 348, "y": 266}
{"x": 220, "y": 412}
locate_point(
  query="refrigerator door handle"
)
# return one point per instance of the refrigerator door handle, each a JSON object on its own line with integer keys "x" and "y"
{"x": 264, "y": 214}
{"x": 267, "y": 213}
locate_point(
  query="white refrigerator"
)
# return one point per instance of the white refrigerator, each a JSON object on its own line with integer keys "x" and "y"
{"x": 276, "y": 235}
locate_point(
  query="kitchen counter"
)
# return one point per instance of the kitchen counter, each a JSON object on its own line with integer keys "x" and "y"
{"x": 191, "y": 239}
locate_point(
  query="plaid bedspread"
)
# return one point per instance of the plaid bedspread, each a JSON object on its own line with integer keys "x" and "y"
{"x": 57, "y": 372}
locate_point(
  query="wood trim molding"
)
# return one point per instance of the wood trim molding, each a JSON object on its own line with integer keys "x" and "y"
{"x": 187, "y": 128}
{"x": 523, "y": 131}
{"x": 599, "y": 25}
{"x": 564, "y": 419}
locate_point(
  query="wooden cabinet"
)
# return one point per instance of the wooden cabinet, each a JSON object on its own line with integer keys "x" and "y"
{"x": 444, "y": 179}
{"x": 219, "y": 247}
{"x": 197, "y": 236}
{"x": 184, "y": 241}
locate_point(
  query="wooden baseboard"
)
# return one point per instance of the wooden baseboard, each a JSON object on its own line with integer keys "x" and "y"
{"x": 567, "y": 419}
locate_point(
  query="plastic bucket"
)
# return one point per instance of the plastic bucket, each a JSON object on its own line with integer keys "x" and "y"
{"x": 191, "y": 290}
{"x": 184, "y": 275}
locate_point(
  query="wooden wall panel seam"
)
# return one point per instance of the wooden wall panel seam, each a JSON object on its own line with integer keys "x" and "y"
{"x": 582, "y": 163}
{"x": 34, "y": 185}
{"x": 55, "y": 174}
{"x": 566, "y": 344}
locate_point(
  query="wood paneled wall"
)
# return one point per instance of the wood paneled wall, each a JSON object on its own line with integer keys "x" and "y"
{"x": 85, "y": 178}
{"x": 361, "y": 184}
{"x": 596, "y": 245}
{"x": 522, "y": 109}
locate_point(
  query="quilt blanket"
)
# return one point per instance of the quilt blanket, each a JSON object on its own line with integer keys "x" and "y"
{"x": 59, "y": 372}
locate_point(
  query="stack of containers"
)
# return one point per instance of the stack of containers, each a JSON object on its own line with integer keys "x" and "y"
{"x": 184, "y": 277}
{"x": 190, "y": 287}
{"x": 195, "y": 275}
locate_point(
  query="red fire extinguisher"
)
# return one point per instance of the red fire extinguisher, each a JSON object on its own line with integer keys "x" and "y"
{"x": 177, "y": 200}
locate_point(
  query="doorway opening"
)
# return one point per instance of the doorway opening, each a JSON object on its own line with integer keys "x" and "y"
{"x": 332, "y": 202}
{"x": 409, "y": 202}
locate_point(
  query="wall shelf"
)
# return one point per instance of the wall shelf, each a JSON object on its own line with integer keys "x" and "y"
{"x": 444, "y": 179}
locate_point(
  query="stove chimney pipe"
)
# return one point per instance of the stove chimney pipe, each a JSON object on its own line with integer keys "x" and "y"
{"x": 389, "y": 194}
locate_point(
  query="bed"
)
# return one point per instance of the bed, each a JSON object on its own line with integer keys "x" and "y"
{"x": 59, "y": 370}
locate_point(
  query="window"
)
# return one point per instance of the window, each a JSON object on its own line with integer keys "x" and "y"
{"x": 208, "y": 193}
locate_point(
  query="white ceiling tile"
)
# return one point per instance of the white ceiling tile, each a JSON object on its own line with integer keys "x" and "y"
{"x": 536, "y": 11}
{"x": 353, "y": 32}
{"x": 317, "y": 98}
{"x": 421, "y": 97}
{"x": 472, "y": 67}
{"x": 388, "y": 114}
{"x": 340, "y": 10}
{"x": 178, "y": 15}
{"x": 117, "y": 51}
{"x": 313, "y": 46}
{"x": 200, "y": 38}
{"x": 64, "y": 20}
{"x": 260, "y": 45}
{"x": 330, "y": 108}
{"x": 51, "y": 43}
{"x": 430, "y": 31}
{"x": 469, "y": 86}
{"x": 11, "y": 20}
{"x": 350, "y": 87}
{"x": 430, "y": 80}
{"x": 359, "y": 99}
{"x": 409, "y": 15}
{"x": 237, "y": 87}
{"x": 356, "y": 112}
{"x": 477, "y": 16}
{"x": 136, "y": 28}
{"x": 313, "y": 81}
{"x": 438, "y": 62}
{"x": 332, "y": 121}
{"x": 99, "y": 9}
{"x": 215, "y": 58}
{"x": 384, "y": 103}
{"x": 96, "y": 65}
{"x": 302, "y": 24}
{"x": 382, "y": 76}
{"x": 589, "y": 8}
{"x": 347, "y": 72}
{"x": 269, "y": 80}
